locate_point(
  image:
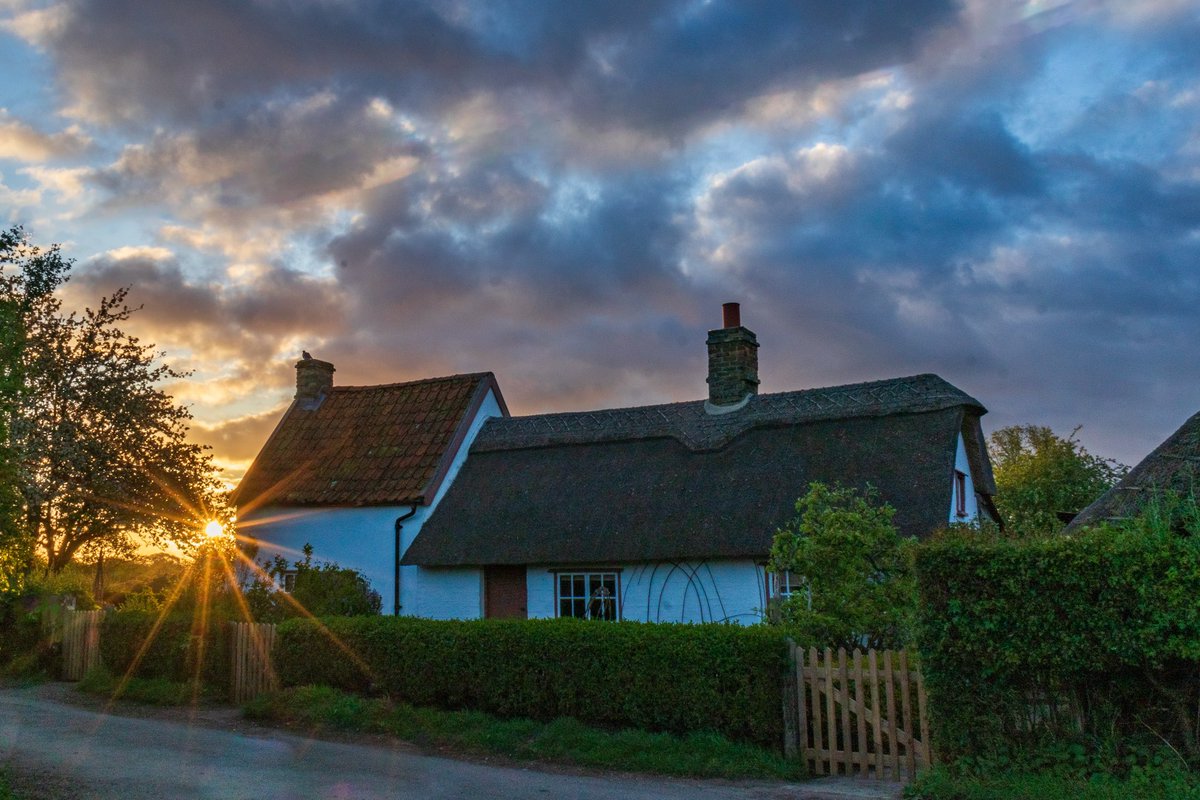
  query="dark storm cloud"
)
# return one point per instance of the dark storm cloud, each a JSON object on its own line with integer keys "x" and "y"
{"x": 276, "y": 303}
{"x": 429, "y": 240}
{"x": 665, "y": 65}
{"x": 1031, "y": 236}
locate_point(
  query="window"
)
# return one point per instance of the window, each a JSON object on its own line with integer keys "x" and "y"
{"x": 588, "y": 595}
{"x": 785, "y": 584}
{"x": 287, "y": 580}
{"x": 960, "y": 493}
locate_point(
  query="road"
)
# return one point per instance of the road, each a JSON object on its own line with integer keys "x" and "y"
{"x": 90, "y": 754}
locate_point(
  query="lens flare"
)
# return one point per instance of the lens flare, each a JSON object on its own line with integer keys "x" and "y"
{"x": 214, "y": 529}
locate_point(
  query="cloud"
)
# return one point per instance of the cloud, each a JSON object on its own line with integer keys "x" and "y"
{"x": 565, "y": 193}
{"x": 21, "y": 141}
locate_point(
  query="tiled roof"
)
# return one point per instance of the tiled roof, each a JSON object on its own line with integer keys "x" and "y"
{"x": 365, "y": 445}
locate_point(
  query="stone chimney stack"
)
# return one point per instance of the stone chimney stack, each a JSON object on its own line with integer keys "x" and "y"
{"x": 732, "y": 363}
{"x": 314, "y": 379}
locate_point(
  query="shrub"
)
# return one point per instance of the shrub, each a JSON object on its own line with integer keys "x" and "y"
{"x": 173, "y": 652}
{"x": 1095, "y": 636}
{"x": 677, "y": 678}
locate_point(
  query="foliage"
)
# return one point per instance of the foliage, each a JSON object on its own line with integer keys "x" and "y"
{"x": 1051, "y": 639}
{"x": 857, "y": 570}
{"x": 675, "y": 678}
{"x": 1165, "y": 782}
{"x": 320, "y": 589}
{"x": 177, "y": 647}
{"x": 563, "y": 740}
{"x": 1039, "y": 474}
{"x": 150, "y": 691}
{"x": 101, "y": 448}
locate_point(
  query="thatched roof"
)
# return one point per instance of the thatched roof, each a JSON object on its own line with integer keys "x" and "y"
{"x": 1173, "y": 466}
{"x": 366, "y": 445}
{"x": 671, "y": 482}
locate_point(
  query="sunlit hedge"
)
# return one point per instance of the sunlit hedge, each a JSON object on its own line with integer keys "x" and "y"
{"x": 677, "y": 678}
{"x": 179, "y": 650}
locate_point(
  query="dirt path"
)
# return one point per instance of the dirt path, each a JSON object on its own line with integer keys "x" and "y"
{"x": 60, "y": 751}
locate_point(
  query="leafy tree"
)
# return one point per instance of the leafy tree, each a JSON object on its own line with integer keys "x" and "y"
{"x": 101, "y": 449}
{"x": 322, "y": 589}
{"x": 1040, "y": 475}
{"x": 852, "y": 568}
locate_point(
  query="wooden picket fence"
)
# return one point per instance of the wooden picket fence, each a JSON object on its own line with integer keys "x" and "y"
{"x": 80, "y": 642}
{"x": 251, "y": 672}
{"x": 855, "y": 714}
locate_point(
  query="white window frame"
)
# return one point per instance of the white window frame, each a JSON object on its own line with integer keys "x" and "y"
{"x": 287, "y": 580}
{"x": 590, "y": 577}
{"x": 787, "y": 583}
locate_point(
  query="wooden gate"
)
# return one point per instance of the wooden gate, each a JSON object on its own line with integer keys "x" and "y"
{"x": 862, "y": 714}
{"x": 80, "y": 642}
{"x": 251, "y": 672}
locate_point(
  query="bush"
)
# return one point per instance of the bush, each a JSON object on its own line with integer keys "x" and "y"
{"x": 1094, "y": 637}
{"x": 174, "y": 651}
{"x": 676, "y": 678}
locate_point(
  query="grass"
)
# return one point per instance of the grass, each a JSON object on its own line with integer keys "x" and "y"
{"x": 6, "y": 792}
{"x": 565, "y": 741}
{"x": 150, "y": 691}
{"x": 1166, "y": 783}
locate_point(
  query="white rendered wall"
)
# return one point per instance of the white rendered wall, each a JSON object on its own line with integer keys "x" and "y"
{"x": 364, "y": 539}
{"x": 961, "y": 464}
{"x": 692, "y": 591}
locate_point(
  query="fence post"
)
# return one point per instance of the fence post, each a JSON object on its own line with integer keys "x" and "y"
{"x": 790, "y": 694}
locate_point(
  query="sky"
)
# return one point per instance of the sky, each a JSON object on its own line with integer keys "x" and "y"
{"x": 1006, "y": 194}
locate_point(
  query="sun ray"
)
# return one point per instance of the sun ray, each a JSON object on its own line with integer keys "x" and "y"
{"x": 256, "y": 638}
{"x": 176, "y": 592}
{"x": 325, "y": 631}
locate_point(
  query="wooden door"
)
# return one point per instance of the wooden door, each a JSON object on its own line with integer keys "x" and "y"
{"x": 504, "y": 592}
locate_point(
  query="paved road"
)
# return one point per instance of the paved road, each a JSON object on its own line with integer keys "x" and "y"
{"x": 94, "y": 755}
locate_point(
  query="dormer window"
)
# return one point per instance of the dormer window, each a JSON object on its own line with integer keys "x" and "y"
{"x": 960, "y": 494}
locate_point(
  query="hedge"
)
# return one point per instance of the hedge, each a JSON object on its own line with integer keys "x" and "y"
{"x": 1097, "y": 634}
{"x": 173, "y": 651}
{"x": 677, "y": 678}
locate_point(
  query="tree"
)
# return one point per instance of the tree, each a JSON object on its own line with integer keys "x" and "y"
{"x": 1042, "y": 477}
{"x": 322, "y": 589}
{"x": 850, "y": 570}
{"x": 101, "y": 450}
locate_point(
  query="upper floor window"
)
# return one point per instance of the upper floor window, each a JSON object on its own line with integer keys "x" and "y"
{"x": 960, "y": 493}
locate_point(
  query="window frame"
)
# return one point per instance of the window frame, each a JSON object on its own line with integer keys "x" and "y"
{"x": 784, "y": 585}
{"x": 587, "y": 573}
{"x": 960, "y": 494}
{"x": 287, "y": 580}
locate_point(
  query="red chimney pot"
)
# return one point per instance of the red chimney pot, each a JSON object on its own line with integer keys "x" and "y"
{"x": 731, "y": 315}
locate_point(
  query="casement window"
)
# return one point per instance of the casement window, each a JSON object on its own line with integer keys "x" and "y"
{"x": 960, "y": 494}
{"x": 785, "y": 584}
{"x": 588, "y": 595}
{"x": 287, "y": 580}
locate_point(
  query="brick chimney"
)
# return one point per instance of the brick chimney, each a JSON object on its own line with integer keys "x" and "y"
{"x": 314, "y": 379}
{"x": 732, "y": 363}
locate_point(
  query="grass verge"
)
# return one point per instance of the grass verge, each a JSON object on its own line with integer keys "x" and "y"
{"x": 565, "y": 741}
{"x": 6, "y": 792}
{"x": 151, "y": 691}
{"x": 1165, "y": 783}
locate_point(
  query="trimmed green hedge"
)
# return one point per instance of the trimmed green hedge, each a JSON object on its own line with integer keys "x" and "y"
{"x": 677, "y": 678}
{"x": 1031, "y": 638}
{"x": 172, "y": 653}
